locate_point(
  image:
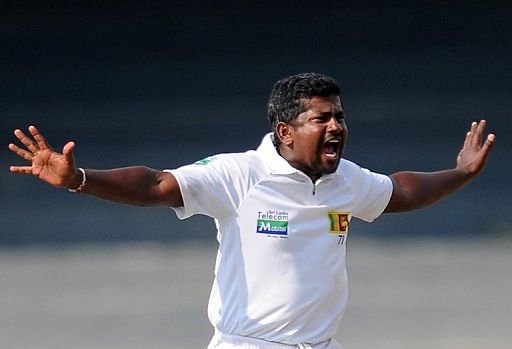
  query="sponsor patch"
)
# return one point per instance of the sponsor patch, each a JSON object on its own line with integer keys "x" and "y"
{"x": 272, "y": 222}
{"x": 205, "y": 161}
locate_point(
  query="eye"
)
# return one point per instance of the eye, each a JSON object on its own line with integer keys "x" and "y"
{"x": 321, "y": 118}
{"x": 340, "y": 118}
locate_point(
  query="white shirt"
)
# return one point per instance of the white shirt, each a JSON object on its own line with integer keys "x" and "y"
{"x": 280, "y": 273}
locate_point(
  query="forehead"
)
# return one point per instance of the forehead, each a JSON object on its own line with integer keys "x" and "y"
{"x": 322, "y": 104}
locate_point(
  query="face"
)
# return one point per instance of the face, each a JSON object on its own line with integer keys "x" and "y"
{"x": 314, "y": 141}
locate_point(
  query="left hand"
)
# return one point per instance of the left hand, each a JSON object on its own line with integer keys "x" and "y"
{"x": 473, "y": 155}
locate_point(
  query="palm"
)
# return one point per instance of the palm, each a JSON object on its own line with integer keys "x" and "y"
{"x": 48, "y": 165}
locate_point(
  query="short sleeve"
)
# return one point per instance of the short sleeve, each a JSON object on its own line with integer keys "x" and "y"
{"x": 212, "y": 186}
{"x": 372, "y": 191}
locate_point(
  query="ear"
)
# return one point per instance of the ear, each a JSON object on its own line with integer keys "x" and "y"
{"x": 285, "y": 133}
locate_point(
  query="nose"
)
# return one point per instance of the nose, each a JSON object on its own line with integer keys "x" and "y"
{"x": 335, "y": 125}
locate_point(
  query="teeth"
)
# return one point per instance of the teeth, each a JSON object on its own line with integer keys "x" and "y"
{"x": 332, "y": 148}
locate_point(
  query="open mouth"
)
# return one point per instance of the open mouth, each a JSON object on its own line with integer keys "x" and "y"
{"x": 332, "y": 148}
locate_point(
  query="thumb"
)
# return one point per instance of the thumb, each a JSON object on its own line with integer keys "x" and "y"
{"x": 68, "y": 150}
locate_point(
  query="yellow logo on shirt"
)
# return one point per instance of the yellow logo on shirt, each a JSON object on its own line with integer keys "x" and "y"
{"x": 339, "y": 222}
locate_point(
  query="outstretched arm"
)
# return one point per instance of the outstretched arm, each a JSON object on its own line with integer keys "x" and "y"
{"x": 138, "y": 185}
{"x": 412, "y": 190}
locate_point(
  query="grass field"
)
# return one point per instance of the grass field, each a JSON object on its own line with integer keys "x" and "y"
{"x": 414, "y": 294}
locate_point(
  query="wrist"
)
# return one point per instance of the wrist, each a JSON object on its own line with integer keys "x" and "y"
{"x": 78, "y": 182}
{"x": 466, "y": 172}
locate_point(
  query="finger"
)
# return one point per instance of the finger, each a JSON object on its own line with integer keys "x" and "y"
{"x": 489, "y": 142}
{"x": 472, "y": 130}
{"x": 27, "y": 141}
{"x": 21, "y": 152}
{"x": 479, "y": 132}
{"x": 41, "y": 141}
{"x": 467, "y": 140}
{"x": 21, "y": 169}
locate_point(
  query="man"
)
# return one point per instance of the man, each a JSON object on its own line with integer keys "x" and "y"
{"x": 282, "y": 212}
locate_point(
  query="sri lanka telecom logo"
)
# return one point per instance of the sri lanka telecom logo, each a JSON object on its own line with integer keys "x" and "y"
{"x": 272, "y": 222}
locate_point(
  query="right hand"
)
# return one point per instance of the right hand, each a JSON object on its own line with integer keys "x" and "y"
{"x": 57, "y": 169}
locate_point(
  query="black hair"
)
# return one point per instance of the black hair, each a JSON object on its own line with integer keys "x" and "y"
{"x": 285, "y": 102}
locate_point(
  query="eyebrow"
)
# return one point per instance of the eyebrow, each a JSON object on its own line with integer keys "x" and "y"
{"x": 338, "y": 114}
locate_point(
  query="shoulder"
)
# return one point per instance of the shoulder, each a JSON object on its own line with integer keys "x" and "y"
{"x": 245, "y": 160}
{"x": 351, "y": 171}
{"x": 229, "y": 165}
{"x": 348, "y": 168}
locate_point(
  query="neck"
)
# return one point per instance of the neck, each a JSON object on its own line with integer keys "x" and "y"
{"x": 285, "y": 153}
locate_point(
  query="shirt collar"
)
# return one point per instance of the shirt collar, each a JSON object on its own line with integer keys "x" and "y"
{"x": 277, "y": 164}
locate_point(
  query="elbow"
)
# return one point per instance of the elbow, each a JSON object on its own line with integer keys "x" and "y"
{"x": 403, "y": 199}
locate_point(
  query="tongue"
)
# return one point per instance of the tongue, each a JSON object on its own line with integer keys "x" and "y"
{"x": 329, "y": 148}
